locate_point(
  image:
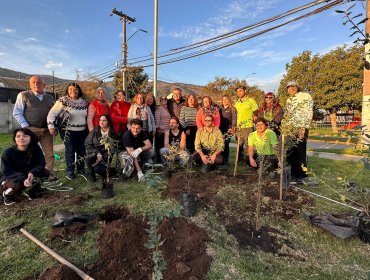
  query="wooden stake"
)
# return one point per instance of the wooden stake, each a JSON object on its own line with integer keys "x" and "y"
{"x": 237, "y": 156}
{"x": 59, "y": 258}
{"x": 282, "y": 166}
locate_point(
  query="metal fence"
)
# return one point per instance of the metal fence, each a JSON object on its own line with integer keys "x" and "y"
{"x": 325, "y": 128}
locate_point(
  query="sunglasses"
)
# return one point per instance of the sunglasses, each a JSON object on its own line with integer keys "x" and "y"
{"x": 268, "y": 97}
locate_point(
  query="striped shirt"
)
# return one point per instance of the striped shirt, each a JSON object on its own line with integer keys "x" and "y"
{"x": 188, "y": 116}
{"x": 162, "y": 119}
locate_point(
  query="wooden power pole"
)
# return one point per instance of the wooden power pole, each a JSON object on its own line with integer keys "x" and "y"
{"x": 366, "y": 87}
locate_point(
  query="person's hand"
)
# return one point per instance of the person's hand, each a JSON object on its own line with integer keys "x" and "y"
{"x": 158, "y": 130}
{"x": 204, "y": 158}
{"x": 252, "y": 162}
{"x": 140, "y": 176}
{"x": 187, "y": 132}
{"x": 53, "y": 131}
{"x": 28, "y": 182}
{"x": 213, "y": 158}
{"x": 136, "y": 152}
{"x": 99, "y": 157}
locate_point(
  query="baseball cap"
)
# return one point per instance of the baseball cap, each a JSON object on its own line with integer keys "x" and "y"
{"x": 292, "y": 84}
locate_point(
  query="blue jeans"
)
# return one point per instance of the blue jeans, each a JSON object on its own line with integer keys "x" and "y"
{"x": 74, "y": 142}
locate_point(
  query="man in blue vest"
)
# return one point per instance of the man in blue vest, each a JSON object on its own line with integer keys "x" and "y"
{"x": 31, "y": 110}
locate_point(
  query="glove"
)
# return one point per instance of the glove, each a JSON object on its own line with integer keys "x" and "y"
{"x": 140, "y": 176}
{"x": 136, "y": 152}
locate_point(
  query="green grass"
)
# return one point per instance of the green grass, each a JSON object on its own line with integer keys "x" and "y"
{"x": 341, "y": 139}
{"x": 345, "y": 151}
{"x": 326, "y": 257}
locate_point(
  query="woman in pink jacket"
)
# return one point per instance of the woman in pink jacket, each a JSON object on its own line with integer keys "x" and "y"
{"x": 207, "y": 109}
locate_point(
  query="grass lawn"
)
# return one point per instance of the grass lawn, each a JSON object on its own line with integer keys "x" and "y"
{"x": 341, "y": 139}
{"x": 317, "y": 254}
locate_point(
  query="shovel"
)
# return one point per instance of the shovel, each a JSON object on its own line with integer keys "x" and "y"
{"x": 59, "y": 258}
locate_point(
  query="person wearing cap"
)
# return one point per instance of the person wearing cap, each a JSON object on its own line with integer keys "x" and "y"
{"x": 97, "y": 108}
{"x": 245, "y": 106}
{"x": 271, "y": 111}
{"x": 298, "y": 114}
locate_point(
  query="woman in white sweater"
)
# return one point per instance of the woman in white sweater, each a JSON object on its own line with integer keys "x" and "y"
{"x": 74, "y": 131}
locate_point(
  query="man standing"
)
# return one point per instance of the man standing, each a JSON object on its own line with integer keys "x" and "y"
{"x": 245, "y": 106}
{"x": 299, "y": 112}
{"x": 137, "y": 145}
{"x": 175, "y": 103}
{"x": 31, "y": 110}
{"x": 209, "y": 144}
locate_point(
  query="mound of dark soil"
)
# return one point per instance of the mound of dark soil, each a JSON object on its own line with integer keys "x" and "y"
{"x": 69, "y": 232}
{"x": 60, "y": 272}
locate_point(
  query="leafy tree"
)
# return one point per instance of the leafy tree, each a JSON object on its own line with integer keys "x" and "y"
{"x": 89, "y": 84}
{"x": 137, "y": 81}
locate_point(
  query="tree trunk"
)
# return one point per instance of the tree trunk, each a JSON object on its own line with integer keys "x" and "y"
{"x": 333, "y": 121}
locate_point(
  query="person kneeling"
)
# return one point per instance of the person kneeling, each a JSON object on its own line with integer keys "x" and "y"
{"x": 20, "y": 164}
{"x": 174, "y": 145}
{"x": 266, "y": 143}
{"x": 138, "y": 146}
{"x": 209, "y": 144}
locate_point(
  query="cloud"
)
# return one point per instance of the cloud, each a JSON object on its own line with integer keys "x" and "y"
{"x": 2, "y": 53}
{"x": 7, "y": 30}
{"x": 66, "y": 31}
{"x": 224, "y": 22}
{"x": 270, "y": 85}
{"x": 263, "y": 56}
{"x": 31, "y": 39}
{"x": 52, "y": 64}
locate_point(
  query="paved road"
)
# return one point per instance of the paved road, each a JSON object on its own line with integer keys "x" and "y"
{"x": 326, "y": 145}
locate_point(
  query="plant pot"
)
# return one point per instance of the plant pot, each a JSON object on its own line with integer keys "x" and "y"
{"x": 187, "y": 201}
{"x": 107, "y": 190}
{"x": 363, "y": 230}
{"x": 287, "y": 176}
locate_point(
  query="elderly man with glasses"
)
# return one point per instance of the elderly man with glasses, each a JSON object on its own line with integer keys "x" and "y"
{"x": 209, "y": 144}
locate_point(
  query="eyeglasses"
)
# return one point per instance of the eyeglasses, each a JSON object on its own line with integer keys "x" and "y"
{"x": 163, "y": 99}
{"x": 208, "y": 120}
{"x": 268, "y": 97}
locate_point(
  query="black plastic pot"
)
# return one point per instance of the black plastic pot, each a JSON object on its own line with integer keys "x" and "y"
{"x": 363, "y": 230}
{"x": 107, "y": 190}
{"x": 187, "y": 201}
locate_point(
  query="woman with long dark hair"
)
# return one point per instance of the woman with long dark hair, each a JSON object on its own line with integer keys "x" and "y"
{"x": 98, "y": 156}
{"x": 75, "y": 130}
{"x": 20, "y": 164}
{"x": 228, "y": 116}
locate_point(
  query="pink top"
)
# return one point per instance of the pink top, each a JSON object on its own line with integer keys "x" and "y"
{"x": 201, "y": 116}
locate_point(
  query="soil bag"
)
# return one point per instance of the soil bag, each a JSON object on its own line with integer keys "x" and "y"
{"x": 341, "y": 225}
{"x": 187, "y": 201}
{"x": 65, "y": 218}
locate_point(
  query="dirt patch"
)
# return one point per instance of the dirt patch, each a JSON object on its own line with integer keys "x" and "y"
{"x": 80, "y": 199}
{"x": 60, "y": 272}
{"x": 69, "y": 232}
{"x": 111, "y": 214}
{"x": 184, "y": 250}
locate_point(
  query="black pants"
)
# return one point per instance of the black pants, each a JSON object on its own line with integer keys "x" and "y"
{"x": 196, "y": 157}
{"x": 190, "y": 139}
{"x": 297, "y": 157}
{"x": 74, "y": 145}
{"x": 159, "y": 143}
{"x": 226, "y": 151}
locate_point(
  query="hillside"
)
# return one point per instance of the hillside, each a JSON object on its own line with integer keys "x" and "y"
{"x": 166, "y": 88}
{"x": 4, "y": 72}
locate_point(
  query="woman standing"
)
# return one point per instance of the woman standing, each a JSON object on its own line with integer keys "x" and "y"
{"x": 188, "y": 120}
{"x": 207, "y": 109}
{"x": 99, "y": 158}
{"x": 150, "y": 101}
{"x": 75, "y": 132}
{"x": 118, "y": 111}
{"x": 97, "y": 108}
{"x": 228, "y": 115}
{"x": 139, "y": 110}
{"x": 271, "y": 111}
{"x": 162, "y": 121}
{"x": 20, "y": 164}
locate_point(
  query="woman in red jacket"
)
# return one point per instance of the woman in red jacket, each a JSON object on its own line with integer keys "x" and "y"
{"x": 97, "y": 108}
{"x": 118, "y": 111}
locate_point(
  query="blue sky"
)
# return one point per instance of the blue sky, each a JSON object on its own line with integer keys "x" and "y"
{"x": 41, "y": 35}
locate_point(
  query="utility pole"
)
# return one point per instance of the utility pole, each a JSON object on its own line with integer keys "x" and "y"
{"x": 155, "y": 52}
{"x": 125, "y": 19}
{"x": 366, "y": 87}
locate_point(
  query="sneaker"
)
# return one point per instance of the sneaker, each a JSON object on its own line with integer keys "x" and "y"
{"x": 71, "y": 176}
{"x": 206, "y": 168}
{"x": 8, "y": 199}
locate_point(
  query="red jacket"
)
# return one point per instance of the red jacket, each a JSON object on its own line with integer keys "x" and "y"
{"x": 100, "y": 109}
{"x": 118, "y": 111}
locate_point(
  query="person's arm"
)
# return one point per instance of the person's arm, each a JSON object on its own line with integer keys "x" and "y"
{"x": 18, "y": 111}
{"x": 199, "y": 118}
{"x": 7, "y": 167}
{"x": 90, "y": 116}
{"x": 116, "y": 115}
{"x": 40, "y": 166}
{"x": 183, "y": 141}
{"x": 220, "y": 143}
{"x": 89, "y": 144}
{"x": 167, "y": 138}
{"x": 147, "y": 145}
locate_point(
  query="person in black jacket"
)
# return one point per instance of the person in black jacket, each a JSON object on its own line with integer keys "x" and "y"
{"x": 20, "y": 164}
{"x": 99, "y": 156}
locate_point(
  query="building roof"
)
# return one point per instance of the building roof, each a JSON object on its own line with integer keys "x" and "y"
{"x": 14, "y": 83}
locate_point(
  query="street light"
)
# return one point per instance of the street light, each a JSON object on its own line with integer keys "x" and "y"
{"x": 142, "y": 30}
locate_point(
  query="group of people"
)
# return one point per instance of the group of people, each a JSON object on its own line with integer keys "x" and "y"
{"x": 95, "y": 131}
